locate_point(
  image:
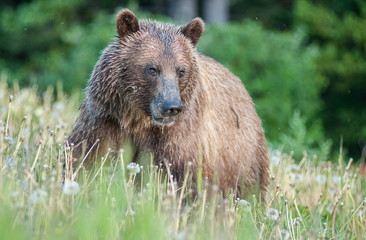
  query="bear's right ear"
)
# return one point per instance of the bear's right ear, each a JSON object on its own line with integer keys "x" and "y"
{"x": 193, "y": 30}
{"x": 126, "y": 23}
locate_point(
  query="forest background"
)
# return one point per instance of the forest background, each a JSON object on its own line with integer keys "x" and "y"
{"x": 303, "y": 62}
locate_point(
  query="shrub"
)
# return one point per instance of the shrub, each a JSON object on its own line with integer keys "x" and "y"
{"x": 341, "y": 34}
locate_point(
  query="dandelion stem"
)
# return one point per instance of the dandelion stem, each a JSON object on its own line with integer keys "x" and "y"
{"x": 181, "y": 200}
{"x": 8, "y": 117}
{"x": 85, "y": 157}
{"x": 100, "y": 168}
{"x": 110, "y": 181}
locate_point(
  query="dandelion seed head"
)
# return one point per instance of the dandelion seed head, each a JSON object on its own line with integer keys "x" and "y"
{"x": 130, "y": 212}
{"x": 295, "y": 221}
{"x": 38, "y": 196}
{"x": 24, "y": 184}
{"x": 329, "y": 208}
{"x": 284, "y": 234}
{"x": 15, "y": 194}
{"x": 272, "y": 214}
{"x": 134, "y": 168}
{"x": 10, "y": 140}
{"x": 336, "y": 179}
{"x": 293, "y": 167}
{"x": 321, "y": 179}
{"x": 244, "y": 205}
{"x": 181, "y": 235}
{"x": 296, "y": 177}
{"x": 71, "y": 188}
{"x": 275, "y": 157}
{"x": 10, "y": 162}
{"x": 113, "y": 202}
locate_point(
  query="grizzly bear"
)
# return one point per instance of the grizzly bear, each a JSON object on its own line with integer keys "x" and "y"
{"x": 153, "y": 88}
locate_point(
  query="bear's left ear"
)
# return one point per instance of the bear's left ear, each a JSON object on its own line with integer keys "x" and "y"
{"x": 194, "y": 30}
{"x": 126, "y": 23}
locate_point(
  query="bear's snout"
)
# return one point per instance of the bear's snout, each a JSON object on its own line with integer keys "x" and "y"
{"x": 167, "y": 103}
{"x": 172, "y": 108}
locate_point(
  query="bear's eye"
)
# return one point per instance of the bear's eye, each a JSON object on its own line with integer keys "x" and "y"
{"x": 181, "y": 73}
{"x": 153, "y": 71}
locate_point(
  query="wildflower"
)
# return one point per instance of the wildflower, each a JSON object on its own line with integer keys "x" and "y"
{"x": 320, "y": 179}
{"x": 272, "y": 214}
{"x": 71, "y": 188}
{"x": 275, "y": 157}
{"x": 245, "y": 205}
{"x": 134, "y": 168}
{"x": 284, "y": 234}
{"x": 38, "y": 196}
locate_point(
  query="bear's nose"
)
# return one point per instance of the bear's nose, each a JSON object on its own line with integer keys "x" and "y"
{"x": 172, "y": 109}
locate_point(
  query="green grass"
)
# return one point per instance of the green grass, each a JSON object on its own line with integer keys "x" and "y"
{"x": 306, "y": 199}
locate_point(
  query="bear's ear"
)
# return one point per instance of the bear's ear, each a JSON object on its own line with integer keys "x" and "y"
{"x": 126, "y": 23}
{"x": 194, "y": 30}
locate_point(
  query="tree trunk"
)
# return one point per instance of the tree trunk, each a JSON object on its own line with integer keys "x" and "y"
{"x": 183, "y": 10}
{"x": 215, "y": 11}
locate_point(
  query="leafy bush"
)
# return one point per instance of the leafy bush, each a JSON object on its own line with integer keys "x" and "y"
{"x": 341, "y": 35}
{"x": 298, "y": 137}
{"x": 47, "y": 42}
{"x": 278, "y": 71}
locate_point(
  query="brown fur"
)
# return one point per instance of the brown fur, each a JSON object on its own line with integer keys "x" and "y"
{"x": 218, "y": 115}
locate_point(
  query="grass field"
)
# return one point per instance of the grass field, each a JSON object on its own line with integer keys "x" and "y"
{"x": 307, "y": 199}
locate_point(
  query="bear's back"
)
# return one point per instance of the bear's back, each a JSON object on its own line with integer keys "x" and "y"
{"x": 231, "y": 128}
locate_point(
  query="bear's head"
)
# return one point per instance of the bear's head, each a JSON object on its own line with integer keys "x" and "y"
{"x": 159, "y": 69}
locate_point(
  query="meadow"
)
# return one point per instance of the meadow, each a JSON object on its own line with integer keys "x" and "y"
{"x": 114, "y": 199}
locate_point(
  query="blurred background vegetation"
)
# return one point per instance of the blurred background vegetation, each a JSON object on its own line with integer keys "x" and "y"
{"x": 303, "y": 61}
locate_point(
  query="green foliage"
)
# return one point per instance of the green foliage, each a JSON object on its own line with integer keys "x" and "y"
{"x": 277, "y": 69}
{"x": 32, "y": 38}
{"x": 298, "y": 138}
{"x": 341, "y": 35}
{"x": 59, "y": 41}
{"x": 272, "y": 14}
